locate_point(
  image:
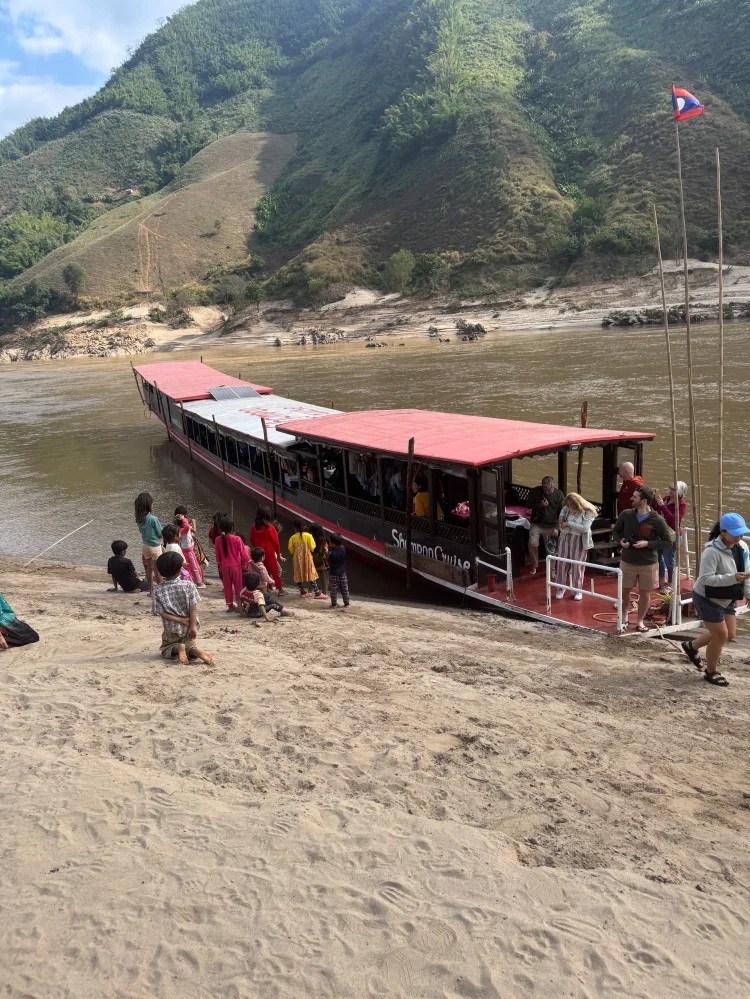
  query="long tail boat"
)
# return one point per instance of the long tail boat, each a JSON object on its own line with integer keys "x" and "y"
{"x": 347, "y": 471}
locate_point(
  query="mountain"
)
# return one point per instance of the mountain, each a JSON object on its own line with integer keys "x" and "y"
{"x": 499, "y": 141}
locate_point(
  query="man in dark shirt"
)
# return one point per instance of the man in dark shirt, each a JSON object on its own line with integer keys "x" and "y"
{"x": 545, "y": 502}
{"x": 122, "y": 570}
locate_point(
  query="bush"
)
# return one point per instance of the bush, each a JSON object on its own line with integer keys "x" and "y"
{"x": 254, "y": 294}
{"x": 74, "y": 277}
{"x": 22, "y": 306}
{"x": 157, "y": 314}
{"x": 398, "y": 270}
{"x": 430, "y": 271}
{"x": 176, "y": 315}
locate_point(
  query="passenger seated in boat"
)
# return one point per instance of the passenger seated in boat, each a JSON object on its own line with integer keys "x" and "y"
{"x": 256, "y": 604}
{"x": 421, "y": 506}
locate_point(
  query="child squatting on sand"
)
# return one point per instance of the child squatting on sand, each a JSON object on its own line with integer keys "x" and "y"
{"x": 176, "y": 601}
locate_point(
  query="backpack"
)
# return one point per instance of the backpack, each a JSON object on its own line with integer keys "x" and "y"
{"x": 736, "y": 591}
{"x": 18, "y": 633}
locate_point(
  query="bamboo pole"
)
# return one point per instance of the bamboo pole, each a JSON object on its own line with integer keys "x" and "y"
{"x": 676, "y": 583}
{"x": 584, "y": 424}
{"x": 187, "y": 432}
{"x": 270, "y": 466}
{"x": 409, "y": 509}
{"x": 218, "y": 448}
{"x": 720, "y": 486}
{"x": 132, "y": 368}
{"x": 695, "y": 472}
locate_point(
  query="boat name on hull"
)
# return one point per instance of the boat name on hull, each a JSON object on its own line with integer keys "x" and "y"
{"x": 435, "y": 552}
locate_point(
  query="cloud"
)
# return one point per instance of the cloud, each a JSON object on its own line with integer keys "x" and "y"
{"x": 23, "y": 97}
{"x": 97, "y": 32}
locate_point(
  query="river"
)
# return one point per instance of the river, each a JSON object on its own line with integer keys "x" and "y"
{"x": 75, "y": 444}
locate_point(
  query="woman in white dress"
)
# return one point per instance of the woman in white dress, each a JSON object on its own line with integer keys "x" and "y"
{"x": 576, "y": 518}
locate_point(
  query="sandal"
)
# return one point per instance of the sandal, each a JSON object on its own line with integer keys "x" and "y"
{"x": 692, "y": 654}
{"x": 641, "y": 628}
{"x": 716, "y": 679}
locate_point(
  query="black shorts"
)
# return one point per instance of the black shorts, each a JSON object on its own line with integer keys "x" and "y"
{"x": 710, "y": 612}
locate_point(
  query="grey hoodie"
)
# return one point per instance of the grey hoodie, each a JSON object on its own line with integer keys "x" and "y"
{"x": 718, "y": 568}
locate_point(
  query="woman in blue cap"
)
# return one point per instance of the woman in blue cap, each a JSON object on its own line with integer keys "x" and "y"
{"x": 724, "y": 579}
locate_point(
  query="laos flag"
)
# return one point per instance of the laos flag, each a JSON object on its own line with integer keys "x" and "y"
{"x": 684, "y": 105}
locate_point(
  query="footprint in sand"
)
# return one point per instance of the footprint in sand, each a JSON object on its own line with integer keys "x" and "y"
{"x": 398, "y": 896}
{"x": 431, "y": 936}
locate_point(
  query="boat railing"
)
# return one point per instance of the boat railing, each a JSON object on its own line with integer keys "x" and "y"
{"x": 451, "y": 532}
{"x": 616, "y": 571}
{"x": 310, "y": 487}
{"x": 395, "y": 516}
{"x": 338, "y": 499}
{"x": 365, "y": 507}
{"x": 507, "y": 572}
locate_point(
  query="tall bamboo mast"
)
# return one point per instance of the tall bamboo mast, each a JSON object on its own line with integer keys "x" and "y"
{"x": 676, "y": 590}
{"x": 695, "y": 472}
{"x": 720, "y": 486}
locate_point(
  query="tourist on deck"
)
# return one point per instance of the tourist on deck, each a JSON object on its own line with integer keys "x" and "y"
{"x": 630, "y": 482}
{"x": 264, "y": 535}
{"x": 187, "y": 538}
{"x": 122, "y": 570}
{"x": 338, "y": 580}
{"x": 545, "y": 502}
{"x": 320, "y": 556}
{"x": 396, "y": 484}
{"x": 233, "y": 559}
{"x": 724, "y": 579}
{"x": 666, "y": 507}
{"x": 576, "y": 518}
{"x": 641, "y": 534}
{"x": 176, "y": 601}
{"x": 301, "y": 548}
{"x": 421, "y": 489}
{"x": 150, "y": 530}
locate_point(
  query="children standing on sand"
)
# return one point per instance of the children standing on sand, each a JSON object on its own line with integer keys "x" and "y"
{"x": 150, "y": 529}
{"x": 264, "y": 535}
{"x": 169, "y": 535}
{"x": 232, "y": 559}
{"x": 176, "y": 601}
{"x": 320, "y": 555}
{"x": 187, "y": 532}
{"x": 301, "y": 547}
{"x": 337, "y": 570}
{"x": 254, "y": 603}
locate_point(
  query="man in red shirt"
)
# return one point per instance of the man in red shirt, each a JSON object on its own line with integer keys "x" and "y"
{"x": 630, "y": 482}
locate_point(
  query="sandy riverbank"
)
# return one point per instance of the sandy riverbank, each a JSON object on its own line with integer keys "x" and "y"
{"x": 368, "y": 315}
{"x": 392, "y": 801}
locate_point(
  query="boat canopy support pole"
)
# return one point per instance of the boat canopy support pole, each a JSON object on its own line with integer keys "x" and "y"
{"x": 433, "y": 491}
{"x": 562, "y": 471}
{"x": 381, "y": 487}
{"x": 187, "y": 430}
{"x": 137, "y": 383}
{"x": 609, "y": 480}
{"x": 345, "y": 462}
{"x": 160, "y": 403}
{"x": 270, "y": 464}
{"x": 409, "y": 509}
{"x": 218, "y": 448}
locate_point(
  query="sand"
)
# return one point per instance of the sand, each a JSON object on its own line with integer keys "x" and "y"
{"x": 391, "y": 802}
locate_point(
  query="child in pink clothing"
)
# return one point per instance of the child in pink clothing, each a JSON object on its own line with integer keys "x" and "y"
{"x": 186, "y": 531}
{"x": 232, "y": 559}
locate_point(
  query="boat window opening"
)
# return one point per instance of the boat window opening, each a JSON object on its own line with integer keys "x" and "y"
{"x": 257, "y": 461}
{"x": 394, "y": 477}
{"x": 289, "y": 473}
{"x": 231, "y": 450}
{"x": 243, "y": 454}
{"x": 203, "y": 435}
{"x": 334, "y": 470}
{"x": 453, "y": 498}
{"x": 212, "y": 442}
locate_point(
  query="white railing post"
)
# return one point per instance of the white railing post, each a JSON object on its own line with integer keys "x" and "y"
{"x": 508, "y": 575}
{"x": 620, "y": 628}
{"x": 547, "y": 574}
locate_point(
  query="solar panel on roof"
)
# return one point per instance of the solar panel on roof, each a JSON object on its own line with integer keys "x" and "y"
{"x": 232, "y": 392}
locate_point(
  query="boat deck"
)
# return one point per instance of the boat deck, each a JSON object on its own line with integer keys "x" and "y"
{"x": 591, "y": 612}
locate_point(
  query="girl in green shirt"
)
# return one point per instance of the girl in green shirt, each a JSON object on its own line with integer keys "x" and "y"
{"x": 151, "y": 535}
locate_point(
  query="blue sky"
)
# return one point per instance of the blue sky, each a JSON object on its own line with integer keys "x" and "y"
{"x": 55, "y": 52}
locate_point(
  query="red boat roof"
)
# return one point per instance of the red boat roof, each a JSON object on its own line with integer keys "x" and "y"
{"x": 448, "y": 437}
{"x": 188, "y": 380}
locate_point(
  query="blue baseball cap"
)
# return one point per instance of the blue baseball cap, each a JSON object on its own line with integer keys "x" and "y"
{"x": 733, "y": 524}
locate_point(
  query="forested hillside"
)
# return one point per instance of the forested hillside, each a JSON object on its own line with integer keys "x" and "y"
{"x": 486, "y": 143}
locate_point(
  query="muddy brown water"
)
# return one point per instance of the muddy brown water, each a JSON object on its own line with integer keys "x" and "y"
{"x": 75, "y": 444}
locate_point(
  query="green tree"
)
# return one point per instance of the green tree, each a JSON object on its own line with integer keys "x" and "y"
{"x": 254, "y": 294}
{"x": 398, "y": 270}
{"x": 74, "y": 277}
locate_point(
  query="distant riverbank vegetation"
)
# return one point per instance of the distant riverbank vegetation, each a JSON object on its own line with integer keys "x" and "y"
{"x": 472, "y": 146}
